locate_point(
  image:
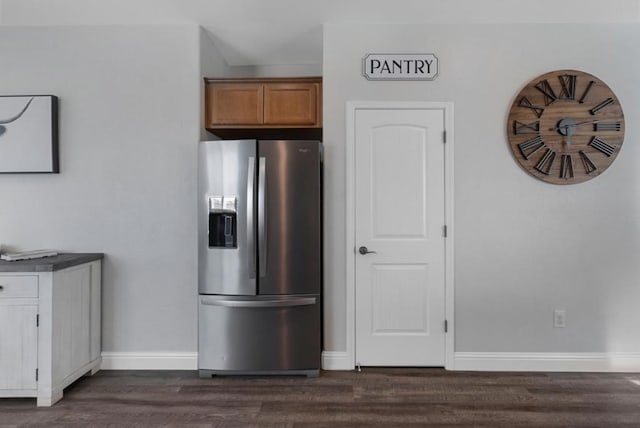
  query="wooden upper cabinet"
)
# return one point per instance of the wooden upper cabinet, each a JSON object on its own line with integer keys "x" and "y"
{"x": 263, "y": 103}
{"x": 234, "y": 104}
{"x": 291, "y": 104}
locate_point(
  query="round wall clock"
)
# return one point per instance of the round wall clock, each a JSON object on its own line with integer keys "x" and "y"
{"x": 565, "y": 127}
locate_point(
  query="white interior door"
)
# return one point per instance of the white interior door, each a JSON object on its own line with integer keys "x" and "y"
{"x": 399, "y": 216}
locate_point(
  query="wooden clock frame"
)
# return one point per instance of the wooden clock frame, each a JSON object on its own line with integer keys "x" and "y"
{"x": 565, "y": 127}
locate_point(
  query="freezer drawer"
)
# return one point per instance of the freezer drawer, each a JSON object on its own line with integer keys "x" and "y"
{"x": 259, "y": 334}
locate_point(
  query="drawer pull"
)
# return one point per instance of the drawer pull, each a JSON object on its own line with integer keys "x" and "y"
{"x": 1, "y": 287}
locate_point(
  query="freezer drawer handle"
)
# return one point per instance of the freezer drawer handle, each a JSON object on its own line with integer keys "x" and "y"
{"x": 280, "y": 303}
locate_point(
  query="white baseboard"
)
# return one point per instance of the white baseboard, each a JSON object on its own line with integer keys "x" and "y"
{"x": 149, "y": 361}
{"x": 472, "y": 361}
{"x": 189, "y": 361}
{"x": 547, "y": 361}
{"x": 333, "y": 360}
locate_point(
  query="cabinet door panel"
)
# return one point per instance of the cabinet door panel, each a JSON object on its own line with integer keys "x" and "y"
{"x": 291, "y": 104}
{"x": 71, "y": 320}
{"x": 234, "y": 104}
{"x": 18, "y": 346}
{"x": 96, "y": 303}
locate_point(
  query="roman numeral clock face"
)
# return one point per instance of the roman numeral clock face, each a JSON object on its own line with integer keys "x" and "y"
{"x": 565, "y": 127}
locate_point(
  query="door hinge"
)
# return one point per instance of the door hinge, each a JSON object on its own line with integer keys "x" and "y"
{"x": 444, "y": 136}
{"x": 38, "y": 320}
{"x": 36, "y": 375}
{"x": 444, "y": 230}
{"x": 446, "y": 326}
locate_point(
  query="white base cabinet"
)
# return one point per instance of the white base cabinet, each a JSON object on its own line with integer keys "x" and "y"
{"x": 49, "y": 330}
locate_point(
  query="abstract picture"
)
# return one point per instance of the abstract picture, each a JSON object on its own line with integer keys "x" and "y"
{"x": 28, "y": 133}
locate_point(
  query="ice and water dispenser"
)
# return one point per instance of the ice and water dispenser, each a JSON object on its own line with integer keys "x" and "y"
{"x": 223, "y": 231}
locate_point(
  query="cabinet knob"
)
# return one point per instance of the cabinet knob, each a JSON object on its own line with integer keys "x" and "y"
{"x": 1, "y": 287}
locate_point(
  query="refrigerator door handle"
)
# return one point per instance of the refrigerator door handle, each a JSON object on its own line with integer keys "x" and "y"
{"x": 251, "y": 241}
{"x": 274, "y": 303}
{"x": 262, "y": 216}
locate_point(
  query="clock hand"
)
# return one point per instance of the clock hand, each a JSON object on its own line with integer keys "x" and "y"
{"x": 572, "y": 124}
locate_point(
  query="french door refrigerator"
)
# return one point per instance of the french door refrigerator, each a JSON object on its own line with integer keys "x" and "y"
{"x": 259, "y": 267}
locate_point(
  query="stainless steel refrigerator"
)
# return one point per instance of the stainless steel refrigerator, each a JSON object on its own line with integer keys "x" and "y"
{"x": 259, "y": 267}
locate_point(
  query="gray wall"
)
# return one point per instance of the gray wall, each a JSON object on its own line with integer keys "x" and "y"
{"x": 522, "y": 247}
{"x": 130, "y": 119}
{"x": 211, "y": 65}
{"x": 129, "y": 124}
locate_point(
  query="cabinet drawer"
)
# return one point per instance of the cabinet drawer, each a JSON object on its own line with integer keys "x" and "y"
{"x": 13, "y": 286}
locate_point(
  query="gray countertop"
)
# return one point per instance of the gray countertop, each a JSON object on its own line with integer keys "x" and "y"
{"x": 49, "y": 264}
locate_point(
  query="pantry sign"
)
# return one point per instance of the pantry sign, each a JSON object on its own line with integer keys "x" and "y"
{"x": 400, "y": 66}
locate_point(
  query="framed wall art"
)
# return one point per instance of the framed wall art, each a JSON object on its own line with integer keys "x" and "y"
{"x": 29, "y": 134}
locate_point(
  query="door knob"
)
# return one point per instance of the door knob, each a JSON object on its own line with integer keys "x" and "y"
{"x": 365, "y": 250}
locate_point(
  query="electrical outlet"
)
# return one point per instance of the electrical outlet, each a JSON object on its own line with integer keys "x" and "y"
{"x": 559, "y": 318}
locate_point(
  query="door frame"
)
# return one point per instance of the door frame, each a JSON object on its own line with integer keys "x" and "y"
{"x": 351, "y": 109}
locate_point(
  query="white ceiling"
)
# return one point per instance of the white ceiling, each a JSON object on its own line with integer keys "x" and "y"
{"x": 289, "y": 32}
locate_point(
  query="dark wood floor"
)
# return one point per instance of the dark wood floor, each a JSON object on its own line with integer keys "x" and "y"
{"x": 374, "y": 397}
